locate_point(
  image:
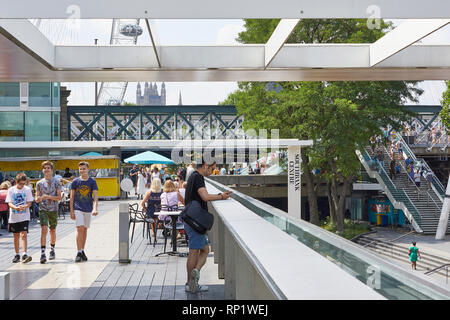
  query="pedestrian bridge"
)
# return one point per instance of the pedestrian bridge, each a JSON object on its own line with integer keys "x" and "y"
{"x": 263, "y": 253}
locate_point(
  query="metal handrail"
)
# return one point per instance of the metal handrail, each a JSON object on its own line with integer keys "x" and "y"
{"x": 445, "y": 265}
{"x": 418, "y": 217}
{"x": 417, "y": 188}
{"x": 427, "y": 167}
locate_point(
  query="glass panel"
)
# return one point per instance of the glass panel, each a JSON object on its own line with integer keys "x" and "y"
{"x": 372, "y": 272}
{"x": 10, "y": 94}
{"x": 56, "y": 94}
{"x": 11, "y": 128}
{"x": 40, "y": 94}
{"x": 38, "y": 126}
{"x": 55, "y": 126}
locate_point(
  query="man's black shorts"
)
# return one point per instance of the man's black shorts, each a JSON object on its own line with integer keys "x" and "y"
{"x": 18, "y": 227}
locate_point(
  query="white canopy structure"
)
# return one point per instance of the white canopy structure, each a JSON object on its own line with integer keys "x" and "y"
{"x": 27, "y": 55}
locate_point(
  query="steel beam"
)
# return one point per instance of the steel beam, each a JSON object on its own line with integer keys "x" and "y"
{"x": 232, "y": 9}
{"x": 278, "y": 38}
{"x": 406, "y": 34}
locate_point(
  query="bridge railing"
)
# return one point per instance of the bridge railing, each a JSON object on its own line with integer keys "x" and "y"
{"x": 265, "y": 254}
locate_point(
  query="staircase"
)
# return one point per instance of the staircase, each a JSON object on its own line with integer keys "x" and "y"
{"x": 400, "y": 253}
{"x": 421, "y": 207}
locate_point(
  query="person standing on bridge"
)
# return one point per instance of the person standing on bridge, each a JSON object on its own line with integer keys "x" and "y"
{"x": 413, "y": 254}
{"x": 198, "y": 244}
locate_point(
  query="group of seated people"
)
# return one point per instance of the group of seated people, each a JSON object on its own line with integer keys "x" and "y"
{"x": 167, "y": 198}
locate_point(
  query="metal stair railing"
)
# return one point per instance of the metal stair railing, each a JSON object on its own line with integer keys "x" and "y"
{"x": 438, "y": 187}
{"x": 402, "y": 164}
{"x": 398, "y": 196}
{"x": 446, "y": 265}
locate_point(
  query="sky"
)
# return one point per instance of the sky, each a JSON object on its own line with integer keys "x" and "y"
{"x": 168, "y": 32}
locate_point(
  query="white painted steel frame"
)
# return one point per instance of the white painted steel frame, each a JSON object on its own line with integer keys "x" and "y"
{"x": 21, "y": 45}
{"x": 231, "y": 9}
{"x": 404, "y": 35}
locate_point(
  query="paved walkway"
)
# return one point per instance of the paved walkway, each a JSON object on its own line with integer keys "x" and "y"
{"x": 426, "y": 243}
{"x": 101, "y": 277}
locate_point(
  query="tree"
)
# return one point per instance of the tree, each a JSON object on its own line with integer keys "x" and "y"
{"x": 445, "y": 112}
{"x": 338, "y": 116}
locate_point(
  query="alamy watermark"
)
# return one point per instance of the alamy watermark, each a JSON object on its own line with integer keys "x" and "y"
{"x": 225, "y": 150}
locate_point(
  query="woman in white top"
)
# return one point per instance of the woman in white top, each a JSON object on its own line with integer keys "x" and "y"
{"x": 170, "y": 198}
{"x": 141, "y": 189}
{"x": 155, "y": 173}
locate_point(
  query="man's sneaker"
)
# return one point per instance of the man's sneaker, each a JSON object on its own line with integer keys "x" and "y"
{"x": 52, "y": 255}
{"x": 195, "y": 276}
{"x": 186, "y": 287}
{"x": 78, "y": 257}
{"x": 16, "y": 259}
{"x": 26, "y": 258}
{"x": 43, "y": 259}
{"x": 83, "y": 256}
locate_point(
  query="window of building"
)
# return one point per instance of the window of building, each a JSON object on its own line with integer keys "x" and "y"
{"x": 56, "y": 94}
{"x": 55, "y": 126}
{"x": 11, "y": 126}
{"x": 38, "y": 126}
{"x": 40, "y": 94}
{"x": 9, "y": 94}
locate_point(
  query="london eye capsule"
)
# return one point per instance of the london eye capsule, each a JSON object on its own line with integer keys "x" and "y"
{"x": 130, "y": 30}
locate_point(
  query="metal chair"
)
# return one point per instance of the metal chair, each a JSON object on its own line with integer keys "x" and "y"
{"x": 137, "y": 216}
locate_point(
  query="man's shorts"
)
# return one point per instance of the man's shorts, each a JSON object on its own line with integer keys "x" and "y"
{"x": 18, "y": 227}
{"x": 196, "y": 240}
{"x": 48, "y": 218}
{"x": 82, "y": 218}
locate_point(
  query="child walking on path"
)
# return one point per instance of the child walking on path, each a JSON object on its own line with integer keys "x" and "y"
{"x": 48, "y": 195}
{"x": 19, "y": 199}
{"x": 83, "y": 205}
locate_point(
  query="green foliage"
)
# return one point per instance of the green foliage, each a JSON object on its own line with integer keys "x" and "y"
{"x": 338, "y": 116}
{"x": 351, "y": 229}
{"x": 445, "y": 112}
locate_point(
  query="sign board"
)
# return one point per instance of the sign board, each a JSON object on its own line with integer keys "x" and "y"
{"x": 294, "y": 182}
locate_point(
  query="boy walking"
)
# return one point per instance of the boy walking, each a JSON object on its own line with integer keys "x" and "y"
{"x": 19, "y": 199}
{"x": 83, "y": 204}
{"x": 48, "y": 195}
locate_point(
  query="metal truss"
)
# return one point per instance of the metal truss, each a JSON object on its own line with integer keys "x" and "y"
{"x": 86, "y": 123}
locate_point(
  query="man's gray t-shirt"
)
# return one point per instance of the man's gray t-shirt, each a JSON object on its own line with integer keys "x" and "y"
{"x": 49, "y": 188}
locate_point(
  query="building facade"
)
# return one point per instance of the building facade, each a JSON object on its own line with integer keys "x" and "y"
{"x": 150, "y": 96}
{"x": 30, "y": 111}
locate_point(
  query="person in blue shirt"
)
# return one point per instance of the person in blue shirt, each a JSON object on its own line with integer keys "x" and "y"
{"x": 83, "y": 205}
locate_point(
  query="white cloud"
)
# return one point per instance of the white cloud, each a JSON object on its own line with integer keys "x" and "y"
{"x": 228, "y": 33}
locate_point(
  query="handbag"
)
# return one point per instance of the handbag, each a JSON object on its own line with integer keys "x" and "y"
{"x": 196, "y": 217}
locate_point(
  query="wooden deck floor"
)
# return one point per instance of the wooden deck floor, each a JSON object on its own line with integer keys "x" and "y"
{"x": 102, "y": 277}
{"x": 152, "y": 278}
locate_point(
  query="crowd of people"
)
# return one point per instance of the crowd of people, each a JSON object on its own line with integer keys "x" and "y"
{"x": 435, "y": 135}
{"x": 17, "y": 198}
{"x": 414, "y": 169}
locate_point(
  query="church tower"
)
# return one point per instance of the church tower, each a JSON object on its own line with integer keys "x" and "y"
{"x": 163, "y": 94}
{"x": 138, "y": 94}
{"x": 180, "y": 103}
{"x": 146, "y": 94}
